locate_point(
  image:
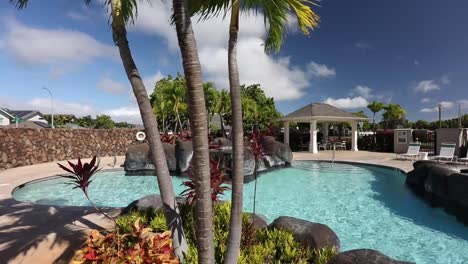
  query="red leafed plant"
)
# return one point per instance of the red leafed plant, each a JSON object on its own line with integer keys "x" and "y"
{"x": 171, "y": 138}
{"x": 217, "y": 175}
{"x": 80, "y": 177}
{"x": 138, "y": 246}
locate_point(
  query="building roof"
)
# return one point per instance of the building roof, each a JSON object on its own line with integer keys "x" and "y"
{"x": 6, "y": 113}
{"x": 24, "y": 114}
{"x": 28, "y": 124}
{"x": 321, "y": 112}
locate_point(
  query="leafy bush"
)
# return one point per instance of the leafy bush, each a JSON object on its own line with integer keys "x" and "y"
{"x": 139, "y": 245}
{"x": 257, "y": 246}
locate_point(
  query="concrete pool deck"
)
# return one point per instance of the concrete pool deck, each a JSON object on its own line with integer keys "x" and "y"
{"x": 31, "y": 233}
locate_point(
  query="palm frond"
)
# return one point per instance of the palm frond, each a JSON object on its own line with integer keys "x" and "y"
{"x": 209, "y": 8}
{"x": 20, "y": 4}
{"x": 276, "y": 14}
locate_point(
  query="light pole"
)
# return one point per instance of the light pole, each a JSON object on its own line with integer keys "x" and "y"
{"x": 51, "y": 105}
{"x": 440, "y": 115}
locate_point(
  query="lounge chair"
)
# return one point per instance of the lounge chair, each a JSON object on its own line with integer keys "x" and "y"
{"x": 341, "y": 145}
{"x": 447, "y": 151}
{"x": 413, "y": 151}
{"x": 464, "y": 160}
{"x": 323, "y": 146}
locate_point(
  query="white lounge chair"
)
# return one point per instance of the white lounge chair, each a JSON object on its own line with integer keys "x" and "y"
{"x": 413, "y": 151}
{"x": 464, "y": 160}
{"x": 447, "y": 152}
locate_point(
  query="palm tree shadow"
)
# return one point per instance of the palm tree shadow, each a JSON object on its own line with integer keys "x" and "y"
{"x": 25, "y": 227}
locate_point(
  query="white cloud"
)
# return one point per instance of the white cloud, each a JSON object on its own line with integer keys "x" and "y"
{"x": 42, "y": 104}
{"x": 129, "y": 114}
{"x": 428, "y": 110}
{"x": 363, "y": 45}
{"x": 277, "y": 75}
{"x": 427, "y": 86}
{"x": 425, "y": 100}
{"x": 320, "y": 70}
{"x": 444, "y": 104}
{"x": 60, "y": 107}
{"x": 150, "y": 81}
{"x": 348, "y": 103}
{"x": 463, "y": 103}
{"x": 445, "y": 80}
{"x": 111, "y": 86}
{"x": 76, "y": 16}
{"x": 363, "y": 91}
{"x": 56, "y": 48}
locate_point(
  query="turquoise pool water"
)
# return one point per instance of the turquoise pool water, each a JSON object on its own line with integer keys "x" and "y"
{"x": 367, "y": 206}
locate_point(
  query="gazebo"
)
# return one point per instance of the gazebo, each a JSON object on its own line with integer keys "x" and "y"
{"x": 324, "y": 113}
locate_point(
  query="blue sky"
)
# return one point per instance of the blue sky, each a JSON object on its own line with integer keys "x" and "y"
{"x": 407, "y": 52}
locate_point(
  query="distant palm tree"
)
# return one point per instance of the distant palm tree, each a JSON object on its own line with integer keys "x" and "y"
{"x": 276, "y": 13}
{"x": 122, "y": 13}
{"x": 223, "y": 108}
{"x": 375, "y": 107}
{"x": 203, "y": 217}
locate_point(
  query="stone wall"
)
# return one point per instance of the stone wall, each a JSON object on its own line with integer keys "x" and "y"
{"x": 23, "y": 146}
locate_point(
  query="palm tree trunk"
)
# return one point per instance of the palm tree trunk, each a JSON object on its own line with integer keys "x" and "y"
{"x": 235, "y": 227}
{"x": 223, "y": 130}
{"x": 203, "y": 217}
{"x": 171, "y": 210}
{"x": 375, "y": 132}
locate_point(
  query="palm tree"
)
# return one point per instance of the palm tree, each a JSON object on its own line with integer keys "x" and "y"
{"x": 211, "y": 101}
{"x": 223, "y": 108}
{"x": 276, "y": 13}
{"x": 375, "y": 107}
{"x": 198, "y": 124}
{"x": 122, "y": 13}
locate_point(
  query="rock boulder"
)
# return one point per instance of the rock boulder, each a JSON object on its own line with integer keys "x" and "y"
{"x": 363, "y": 256}
{"x": 309, "y": 234}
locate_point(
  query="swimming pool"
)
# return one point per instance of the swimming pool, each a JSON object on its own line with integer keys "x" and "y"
{"x": 367, "y": 206}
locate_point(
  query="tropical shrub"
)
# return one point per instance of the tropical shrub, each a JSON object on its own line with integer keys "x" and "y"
{"x": 81, "y": 174}
{"x": 258, "y": 246}
{"x": 139, "y": 245}
{"x": 217, "y": 174}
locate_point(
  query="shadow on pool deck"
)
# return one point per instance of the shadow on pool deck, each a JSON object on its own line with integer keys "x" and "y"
{"x": 42, "y": 234}
{"x": 393, "y": 193}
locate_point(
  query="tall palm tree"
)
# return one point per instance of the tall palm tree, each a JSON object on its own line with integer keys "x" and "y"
{"x": 375, "y": 107}
{"x": 122, "y": 13}
{"x": 276, "y": 14}
{"x": 198, "y": 124}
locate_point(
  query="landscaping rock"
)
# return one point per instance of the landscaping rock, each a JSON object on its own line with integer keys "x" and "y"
{"x": 309, "y": 234}
{"x": 249, "y": 162}
{"x": 147, "y": 202}
{"x": 137, "y": 157}
{"x": 441, "y": 184}
{"x": 260, "y": 221}
{"x": 169, "y": 151}
{"x": 183, "y": 155}
{"x": 363, "y": 256}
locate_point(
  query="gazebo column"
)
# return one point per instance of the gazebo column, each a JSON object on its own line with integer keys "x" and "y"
{"x": 313, "y": 137}
{"x": 325, "y": 132}
{"x": 354, "y": 136}
{"x": 286, "y": 133}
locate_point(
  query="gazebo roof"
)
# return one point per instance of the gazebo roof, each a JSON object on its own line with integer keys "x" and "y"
{"x": 321, "y": 112}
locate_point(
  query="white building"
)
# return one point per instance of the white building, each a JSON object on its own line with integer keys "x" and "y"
{"x": 8, "y": 117}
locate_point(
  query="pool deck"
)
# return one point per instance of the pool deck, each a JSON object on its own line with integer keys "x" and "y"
{"x": 31, "y": 233}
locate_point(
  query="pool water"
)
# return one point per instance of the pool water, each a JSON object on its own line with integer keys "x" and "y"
{"x": 367, "y": 206}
